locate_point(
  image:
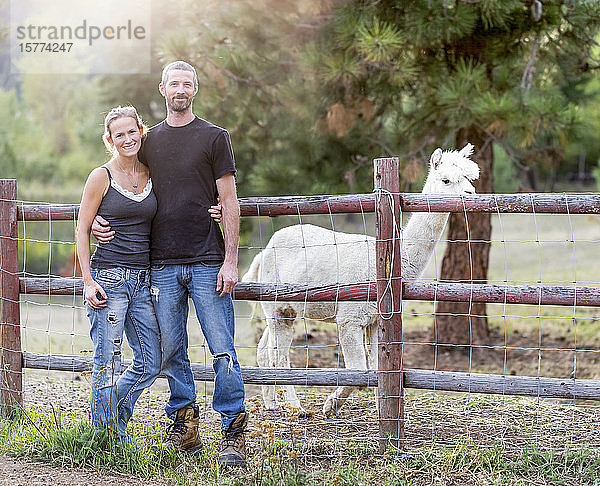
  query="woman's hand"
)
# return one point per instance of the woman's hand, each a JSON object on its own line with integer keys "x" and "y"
{"x": 94, "y": 295}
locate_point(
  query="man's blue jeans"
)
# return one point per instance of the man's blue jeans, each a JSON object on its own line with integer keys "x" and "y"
{"x": 129, "y": 308}
{"x": 170, "y": 287}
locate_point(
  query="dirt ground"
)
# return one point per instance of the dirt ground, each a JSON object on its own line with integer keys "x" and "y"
{"x": 21, "y": 472}
{"x": 519, "y": 353}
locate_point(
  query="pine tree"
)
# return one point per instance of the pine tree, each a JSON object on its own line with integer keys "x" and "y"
{"x": 446, "y": 72}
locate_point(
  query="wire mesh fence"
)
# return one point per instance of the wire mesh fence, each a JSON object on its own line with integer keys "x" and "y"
{"x": 534, "y": 380}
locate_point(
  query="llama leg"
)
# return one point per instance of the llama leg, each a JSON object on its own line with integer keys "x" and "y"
{"x": 353, "y": 349}
{"x": 281, "y": 341}
{"x": 372, "y": 341}
{"x": 265, "y": 359}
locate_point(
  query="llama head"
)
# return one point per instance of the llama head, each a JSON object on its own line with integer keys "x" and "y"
{"x": 452, "y": 172}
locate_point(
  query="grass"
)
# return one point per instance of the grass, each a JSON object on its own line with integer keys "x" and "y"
{"x": 65, "y": 443}
{"x": 74, "y": 443}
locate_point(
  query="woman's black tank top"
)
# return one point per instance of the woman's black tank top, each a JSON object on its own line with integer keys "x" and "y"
{"x": 130, "y": 216}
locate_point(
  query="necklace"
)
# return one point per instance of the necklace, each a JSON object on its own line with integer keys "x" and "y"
{"x": 137, "y": 176}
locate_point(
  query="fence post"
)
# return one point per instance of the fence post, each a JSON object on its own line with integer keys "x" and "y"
{"x": 389, "y": 303}
{"x": 11, "y": 357}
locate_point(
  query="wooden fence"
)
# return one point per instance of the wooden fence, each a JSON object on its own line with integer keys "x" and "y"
{"x": 389, "y": 378}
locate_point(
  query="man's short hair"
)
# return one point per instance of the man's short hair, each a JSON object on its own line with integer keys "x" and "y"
{"x": 182, "y": 65}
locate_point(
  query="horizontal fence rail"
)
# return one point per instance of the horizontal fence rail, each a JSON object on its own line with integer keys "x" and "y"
{"x": 359, "y": 203}
{"x": 530, "y": 386}
{"x": 362, "y": 292}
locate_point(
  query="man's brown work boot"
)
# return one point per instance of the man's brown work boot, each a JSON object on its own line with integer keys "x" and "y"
{"x": 182, "y": 434}
{"x": 233, "y": 445}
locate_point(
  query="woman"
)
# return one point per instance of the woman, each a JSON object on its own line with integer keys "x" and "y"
{"x": 116, "y": 281}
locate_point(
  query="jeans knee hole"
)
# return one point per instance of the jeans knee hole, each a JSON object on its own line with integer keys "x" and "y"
{"x": 229, "y": 359}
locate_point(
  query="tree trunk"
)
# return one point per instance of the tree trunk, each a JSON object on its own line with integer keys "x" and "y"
{"x": 467, "y": 256}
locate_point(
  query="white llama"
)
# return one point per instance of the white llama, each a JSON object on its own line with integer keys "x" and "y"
{"x": 314, "y": 256}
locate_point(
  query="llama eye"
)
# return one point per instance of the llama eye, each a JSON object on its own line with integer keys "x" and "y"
{"x": 446, "y": 181}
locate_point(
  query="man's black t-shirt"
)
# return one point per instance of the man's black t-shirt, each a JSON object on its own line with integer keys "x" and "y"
{"x": 184, "y": 164}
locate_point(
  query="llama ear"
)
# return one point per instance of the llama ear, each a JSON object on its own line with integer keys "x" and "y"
{"x": 467, "y": 150}
{"x": 436, "y": 158}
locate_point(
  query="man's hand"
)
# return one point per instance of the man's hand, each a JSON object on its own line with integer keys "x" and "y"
{"x": 101, "y": 230}
{"x": 226, "y": 279}
{"x": 216, "y": 211}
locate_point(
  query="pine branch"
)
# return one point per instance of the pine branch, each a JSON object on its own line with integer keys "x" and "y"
{"x": 229, "y": 74}
{"x": 527, "y": 77}
{"x": 385, "y": 147}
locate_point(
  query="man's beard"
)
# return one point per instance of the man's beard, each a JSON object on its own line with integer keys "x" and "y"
{"x": 179, "y": 104}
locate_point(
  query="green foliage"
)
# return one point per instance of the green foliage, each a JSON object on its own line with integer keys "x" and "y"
{"x": 506, "y": 180}
{"x": 491, "y": 66}
{"x": 378, "y": 41}
{"x": 583, "y": 151}
{"x": 47, "y": 248}
{"x": 141, "y": 90}
{"x": 51, "y": 135}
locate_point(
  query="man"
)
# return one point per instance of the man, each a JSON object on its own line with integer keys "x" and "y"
{"x": 191, "y": 164}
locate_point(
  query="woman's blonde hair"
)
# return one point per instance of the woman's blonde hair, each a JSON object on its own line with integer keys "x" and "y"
{"x": 121, "y": 112}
